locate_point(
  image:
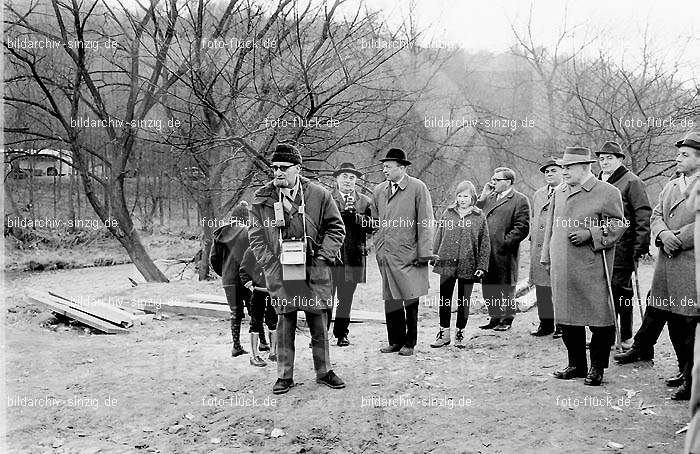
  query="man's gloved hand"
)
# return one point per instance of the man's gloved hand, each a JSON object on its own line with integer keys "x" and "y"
{"x": 580, "y": 237}
{"x": 670, "y": 241}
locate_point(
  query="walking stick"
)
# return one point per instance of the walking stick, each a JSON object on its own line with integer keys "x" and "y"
{"x": 639, "y": 295}
{"x": 611, "y": 301}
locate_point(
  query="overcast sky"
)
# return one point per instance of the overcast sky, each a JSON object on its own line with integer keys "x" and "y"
{"x": 485, "y": 24}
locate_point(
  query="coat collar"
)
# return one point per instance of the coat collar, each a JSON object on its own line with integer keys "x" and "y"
{"x": 616, "y": 175}
{"x": 586, "y": 186}
{"x": 267, "y": 195}
{"x": 678, "y": 197}
{"x": 497, "y": 203}
{"x": 471, "y": 210}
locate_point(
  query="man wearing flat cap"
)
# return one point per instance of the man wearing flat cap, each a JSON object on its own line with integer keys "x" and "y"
{"x": 292, "y": 213}
{"x": 357, "y": 216}
{"x": 585, "y": 222}
{"x": 539, "y": 275}
{"x": 635, "y": 241}
{"x": 673, "y": 298}
{"x": 402, "y": 212}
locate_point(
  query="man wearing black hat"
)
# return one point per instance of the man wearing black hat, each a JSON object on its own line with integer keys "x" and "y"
{"x": 672, "y": 298}
{"x": 294, "y": 215}
{"x": 357, "y": 216}
{"x": 402, "y": 211}
{"x": 508, "y": 215}
{"x": 585, "y": 222}
{"x": 539, "y": 275}
{"x": 635, "y": 241}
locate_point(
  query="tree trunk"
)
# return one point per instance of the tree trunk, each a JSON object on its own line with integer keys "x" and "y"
{"x": 206, "y": 213}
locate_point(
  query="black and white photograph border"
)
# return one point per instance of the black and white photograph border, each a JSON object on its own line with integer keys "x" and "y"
{"x": 246, "y": 226}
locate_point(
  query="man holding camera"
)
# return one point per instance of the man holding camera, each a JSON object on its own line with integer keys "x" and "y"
{"x": 357, "y": 215}
{"x": 296, "y": 232}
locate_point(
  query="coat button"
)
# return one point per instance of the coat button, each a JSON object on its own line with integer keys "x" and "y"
{"x": 541, "y": 227}
{"x": 605, "y": 241}
{"x": 671, "y": 215}
{"x": 539, "y": 244}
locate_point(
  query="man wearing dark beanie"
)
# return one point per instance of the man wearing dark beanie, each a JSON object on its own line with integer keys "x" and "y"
{"x": 293, "y": 214}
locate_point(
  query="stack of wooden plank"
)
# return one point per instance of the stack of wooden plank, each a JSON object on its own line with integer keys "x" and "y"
{"x": 100, "y": 316}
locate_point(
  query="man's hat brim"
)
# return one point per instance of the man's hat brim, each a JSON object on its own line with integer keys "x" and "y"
{"x": 400, "y": 161}
{"x": 356, "y": 172}
{"x": 563, "y": 163}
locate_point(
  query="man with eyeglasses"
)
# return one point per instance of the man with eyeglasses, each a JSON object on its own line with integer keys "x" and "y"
{"x": 508, "y": 216}
{"x": 292, "y": 209}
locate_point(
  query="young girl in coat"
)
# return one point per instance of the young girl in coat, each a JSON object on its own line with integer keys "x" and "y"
{"x": 462, "y": 245}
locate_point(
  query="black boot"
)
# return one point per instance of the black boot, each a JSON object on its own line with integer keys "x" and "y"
{"x": 632, "y": 355}
{"x": 594, "y": 377}
{"x": 237, "y": 349}
{"x": 683, "y": 391}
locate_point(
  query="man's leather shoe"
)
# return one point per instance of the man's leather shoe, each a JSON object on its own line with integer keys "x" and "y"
{"x": 491, "y": 324}
{"x": 406, "y": 351}
{"x": 594, "y": 377}
{"x": 264, "y": 347}
{"x": 675, "y": 381}
{"x": 569, "y": 373}
{"x": 331, "y": 380}
{"x": 542, "y": 331}
{"x": 630, "y": 356}
{"x": 282, "y": 385}
{"x": 343, "y": 341}
{"x": 557, "y": 333}
{"x": 683, "y": 392}
{"x": 238, "y": 351}
{"x": 391, "y": 348}
{"x": 503, "y": 327}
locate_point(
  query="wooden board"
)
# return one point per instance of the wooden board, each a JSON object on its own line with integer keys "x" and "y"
{"x": 83, "y": 317}
{"x": 208, "y": 298}
{"x": 98, "y": 309}
{"x": 201, "y": 309}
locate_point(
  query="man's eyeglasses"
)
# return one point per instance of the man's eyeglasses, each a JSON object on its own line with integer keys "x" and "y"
{"x": 282, "y": 168}
{"x": 500, "y": 179}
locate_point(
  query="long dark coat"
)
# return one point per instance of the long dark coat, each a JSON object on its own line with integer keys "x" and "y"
{"x": 325, "y": 232}
{"x": 674, "y": 284}
{"x": 405, "y": 226}
{"x": 637, "y": 209}
{"x": 462, "y": 243}
{"x": 540, "y": 209}
{"x": 579, "y": 287}
{"x": 509, "y": 223}
{"x": 230, "y": 243}
{"x": 357, "y": 226}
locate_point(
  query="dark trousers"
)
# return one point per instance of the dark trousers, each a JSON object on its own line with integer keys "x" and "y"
{"x": 261, "y": 310}
{"x": 345, "y": 292}
{"x": 574, "y": 338}
{"x": 545, "y": 308}
{"x": 681, "y": 330}
{"x": 464, "y": 293}
{"x": 500, "y": 301}
{"x": 402, "y": 322}
{"x": 237, "y": 297}
{"x": 623, "y": 296}
{"x": 286, "y": 330}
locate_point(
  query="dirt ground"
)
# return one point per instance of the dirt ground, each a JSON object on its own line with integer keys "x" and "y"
{"x": 171, "y": 386}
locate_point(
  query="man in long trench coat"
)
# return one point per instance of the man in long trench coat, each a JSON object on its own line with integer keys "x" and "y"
{"x": 290, "y": 208}
{"x": 402, "y": 212}
{"x": 585, "y": 222}
{"x": 672, "y": 298}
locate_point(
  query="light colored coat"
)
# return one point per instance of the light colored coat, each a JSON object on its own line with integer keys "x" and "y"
{"x": 405, "y": 226}
{"x": 673, "y": 284}
{"x": 540, "y": 208}
{"x": 462, "y": 243}
{"x": 579, "y": 287}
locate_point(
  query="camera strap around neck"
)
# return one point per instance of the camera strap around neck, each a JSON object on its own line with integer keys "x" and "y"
{"x": 302, "y": 210}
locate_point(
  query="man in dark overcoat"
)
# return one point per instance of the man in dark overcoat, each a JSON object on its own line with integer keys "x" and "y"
{"x": 672, "y": 298}
{"x": 292, "y": 208}
{"x": 356, "y": 212}
{"x": 402, "y": 213}
{"x": 585, "y": 221}
{"x": 635, "y": 241}
{"x": 539, "y": 275}
{"x": 508, "y": 216}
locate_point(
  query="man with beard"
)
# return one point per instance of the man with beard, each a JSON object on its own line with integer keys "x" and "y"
{"x": 292, "y": 213}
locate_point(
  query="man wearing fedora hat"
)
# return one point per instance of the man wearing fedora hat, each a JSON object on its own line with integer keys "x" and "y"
{"x": 585, "y": 219}
{"x": 402, "y": 212}
{"x": 357, "y": 216}
{"x": 539, "y": 275}
{"x": 292, "y": 209}
{"x": 635, "y": 241}
{"x": 672, "y": 298}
